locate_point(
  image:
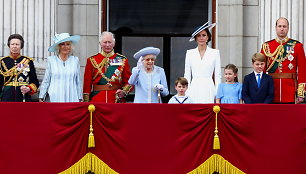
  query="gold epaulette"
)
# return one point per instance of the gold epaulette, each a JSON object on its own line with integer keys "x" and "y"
{"x": 93, "y": 55}
{"x": 29, "y": 58}
{"x": 121, "y": 55}
{"x": 4, "y": 57}
{"x": 301, "y": 90}
{"x": 296, "y": 41}
{"x": 270, "y": 41}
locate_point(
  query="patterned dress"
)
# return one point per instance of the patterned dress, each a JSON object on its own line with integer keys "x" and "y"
{"x": 62, "y": 80}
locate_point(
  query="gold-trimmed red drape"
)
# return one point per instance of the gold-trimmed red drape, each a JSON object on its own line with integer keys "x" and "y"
{"x": 152, "y": 138}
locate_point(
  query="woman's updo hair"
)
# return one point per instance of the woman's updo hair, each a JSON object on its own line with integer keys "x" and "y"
{"x": 15, "y": 36}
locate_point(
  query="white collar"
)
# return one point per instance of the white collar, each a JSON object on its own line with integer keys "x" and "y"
{"x": 258, "y": 73}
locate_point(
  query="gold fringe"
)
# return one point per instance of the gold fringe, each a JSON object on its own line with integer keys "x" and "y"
{"x": 216, "y": 144}
{"x": 89, "y": 162}
{"x": 91, "y": 138}
{"x": 216, "y": 163}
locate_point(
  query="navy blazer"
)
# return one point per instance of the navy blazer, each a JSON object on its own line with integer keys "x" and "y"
{"x": 252, "y": 94}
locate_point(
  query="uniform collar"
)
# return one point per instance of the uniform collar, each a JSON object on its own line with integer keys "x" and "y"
{"x": 15, "y": 58}
{"x": 281, "y": 41}
{"x": 110, "y": 54}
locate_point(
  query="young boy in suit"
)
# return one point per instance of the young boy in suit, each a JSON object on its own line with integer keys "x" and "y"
{"x": 258, "y": 87}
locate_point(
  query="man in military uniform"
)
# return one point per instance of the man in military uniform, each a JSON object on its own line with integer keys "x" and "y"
{"x": 18, "y": 80}
{"x": 286, "y": 63}
{"x": 106, "y": 74}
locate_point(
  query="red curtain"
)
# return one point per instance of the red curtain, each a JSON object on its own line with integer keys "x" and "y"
{"x": 152, "y": 138}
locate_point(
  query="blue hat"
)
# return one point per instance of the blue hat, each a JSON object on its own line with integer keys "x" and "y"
{"x": 201, "y": 28}
{"x": 63, "y": 37}
{"x": 147, "y": 51}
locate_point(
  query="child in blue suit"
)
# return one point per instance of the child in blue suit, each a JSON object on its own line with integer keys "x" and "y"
{"x": 230, "y": 91}
{"x": 258, "y": 87}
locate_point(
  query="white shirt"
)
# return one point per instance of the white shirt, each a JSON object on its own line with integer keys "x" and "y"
{"x": 257, "y": 76}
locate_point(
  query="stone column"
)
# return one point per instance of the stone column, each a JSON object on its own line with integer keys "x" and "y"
{"x": 79, "y": 17}
{"x": 251, "y": 43}
{"x": 293, "y": 10}
{"x": 35, "y": 21}
{"x": 230, "y": 32}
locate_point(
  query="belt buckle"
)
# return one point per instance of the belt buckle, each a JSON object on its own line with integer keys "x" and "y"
{"x": 109, "y": 85}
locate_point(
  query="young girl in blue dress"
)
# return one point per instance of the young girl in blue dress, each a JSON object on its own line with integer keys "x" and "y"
{"x": 230, "y": 91}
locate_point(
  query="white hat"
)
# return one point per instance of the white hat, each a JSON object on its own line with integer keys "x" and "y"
{"x": 63, "y": 37}
{"x": 201, "y": 28}
{"x": 147, "y": 51}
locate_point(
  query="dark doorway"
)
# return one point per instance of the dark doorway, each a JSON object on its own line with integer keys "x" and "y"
{"x": 163, "y": 24}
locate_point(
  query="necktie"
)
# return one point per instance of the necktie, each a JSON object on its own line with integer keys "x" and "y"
{"x": 258, "y": 80}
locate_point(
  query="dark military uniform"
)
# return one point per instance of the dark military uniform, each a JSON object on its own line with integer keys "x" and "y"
{"x": 15, "y": 73}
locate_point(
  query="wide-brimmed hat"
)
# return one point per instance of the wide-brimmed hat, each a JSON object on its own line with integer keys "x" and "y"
{"x": 201, "y": 28}
{"x": 147, "y": 51}
{"x": 63, "y": 37}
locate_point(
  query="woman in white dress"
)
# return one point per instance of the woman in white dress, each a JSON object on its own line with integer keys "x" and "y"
{"x": 62, "y": 77}
{"x": 200, "y": 65}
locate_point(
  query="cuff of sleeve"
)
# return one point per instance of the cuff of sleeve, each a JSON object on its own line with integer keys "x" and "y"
{"x": 33, "y": 89}
{"x": 301, "y": 90}
{"x": 127, "y": 88}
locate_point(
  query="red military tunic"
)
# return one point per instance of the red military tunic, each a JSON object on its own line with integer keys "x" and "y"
{"x": 286, "y": 63}
{"x": 105, "y": 73}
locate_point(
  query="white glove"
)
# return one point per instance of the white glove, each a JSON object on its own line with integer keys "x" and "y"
{"x": 159, "y": 87}
{"x": 139, "y": 63}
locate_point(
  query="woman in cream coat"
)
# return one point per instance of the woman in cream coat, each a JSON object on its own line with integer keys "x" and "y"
{"x": 200, "y": 65}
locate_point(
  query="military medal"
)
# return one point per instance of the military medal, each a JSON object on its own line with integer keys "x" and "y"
{"x": 20, "y": 79}
{"x": 280, "y": 66}
{"x": 288, "y": 50}
{"x": 116, "y": 62}
{"x": 290, "y": 66}
{"x": 19, "y": 66}
{"x": 290, "y": 57}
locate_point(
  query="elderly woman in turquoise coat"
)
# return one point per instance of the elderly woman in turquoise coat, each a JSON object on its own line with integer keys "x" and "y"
{"x": 62, "y": 82}
{"x": 149, "y": 80}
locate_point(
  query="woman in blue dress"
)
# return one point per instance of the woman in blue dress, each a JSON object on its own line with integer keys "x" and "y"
{"x": 149, "y": 80}
{"x": 62, "y": 77}
{"x": 230, "y": 91}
